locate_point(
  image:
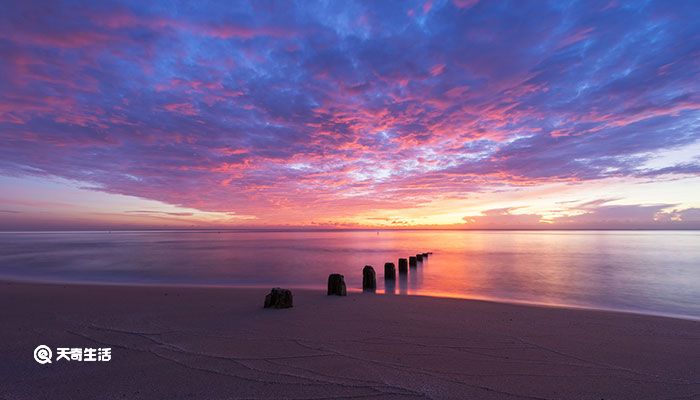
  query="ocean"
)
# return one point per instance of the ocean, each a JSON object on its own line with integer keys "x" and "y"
{"x": 649, "y": 272}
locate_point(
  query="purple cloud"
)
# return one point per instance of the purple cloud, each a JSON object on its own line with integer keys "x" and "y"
{"x": 252, "y": 107}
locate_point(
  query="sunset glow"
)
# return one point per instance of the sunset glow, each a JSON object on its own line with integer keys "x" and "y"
{"x": 459, "y": 114}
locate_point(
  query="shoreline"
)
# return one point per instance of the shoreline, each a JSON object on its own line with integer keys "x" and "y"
{"x": 353, "y": 290}
{"x": 185, "y": 342}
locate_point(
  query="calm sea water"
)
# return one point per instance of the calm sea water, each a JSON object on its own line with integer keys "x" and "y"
{"x": 655, "y": 272}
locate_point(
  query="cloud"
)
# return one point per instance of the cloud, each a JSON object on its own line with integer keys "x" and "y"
{"x": 609, "y": 215}
{"x": 687, "y": 216}
{"x": 504, "y": 218}
{"x": 175, "y": 214}
{"x": 325, "y": 110}
{"x": 595, "y": 214}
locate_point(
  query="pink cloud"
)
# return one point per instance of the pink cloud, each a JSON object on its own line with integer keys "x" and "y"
{"x": 465, "y": 3}
{"x": 182, "y": 108}
{"x": 437, "y": 69}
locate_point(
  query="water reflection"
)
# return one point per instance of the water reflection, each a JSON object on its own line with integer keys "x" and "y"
{"x": 403, "y": 285}
{"x": 390, "y": 286}
{"x": 413, "y": 275}
{"x": 634, "y": 270}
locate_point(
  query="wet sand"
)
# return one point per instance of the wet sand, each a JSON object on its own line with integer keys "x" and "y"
{"x": 174, "y": 343}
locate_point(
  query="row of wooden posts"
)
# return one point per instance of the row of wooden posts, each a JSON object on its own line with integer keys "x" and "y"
{"x": 282, "y": 298}
{"x": 336, "y": 282}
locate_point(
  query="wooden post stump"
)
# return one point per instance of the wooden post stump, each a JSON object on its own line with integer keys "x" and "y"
{"x": 336, "y": 285}
{"x": 403, "y": 266}
{"x": 369, "y": 279}
{"x": 389, "y": 272}
{"x": 279, "y": 298}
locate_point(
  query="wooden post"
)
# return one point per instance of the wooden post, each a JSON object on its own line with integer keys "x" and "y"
{"x": 369, "y": 279}
{"x": 389, "y": 272}
{"x": 403, "y": 266}
{"x": 336, "y": 285}
{"x": 279, "y": 298}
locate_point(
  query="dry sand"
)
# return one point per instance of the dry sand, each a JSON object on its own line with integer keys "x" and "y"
{"x": 172, "y": 343}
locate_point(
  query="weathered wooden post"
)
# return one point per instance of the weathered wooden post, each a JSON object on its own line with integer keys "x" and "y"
{"x": 419, "y": 257}
{"x": 425, "y": 255}
{"x": 389, "y": 272}
{"x": 412, "y": 261}
{"x": 369, "y": 279}
{"x": 279, "y": 298}
{"x": 336, "y": 285}
{"x": 403, "y": 266}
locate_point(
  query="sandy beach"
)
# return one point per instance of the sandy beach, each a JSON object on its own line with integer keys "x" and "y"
{"x": 216, "y": 343}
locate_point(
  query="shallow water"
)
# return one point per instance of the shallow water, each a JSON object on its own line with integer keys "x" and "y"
{"x": 654, "y": 272}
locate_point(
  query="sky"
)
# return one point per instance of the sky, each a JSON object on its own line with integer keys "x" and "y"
{"x": 343, "y": 114}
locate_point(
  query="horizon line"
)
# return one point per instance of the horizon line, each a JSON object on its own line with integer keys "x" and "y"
{"x": 340, "y": 229}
